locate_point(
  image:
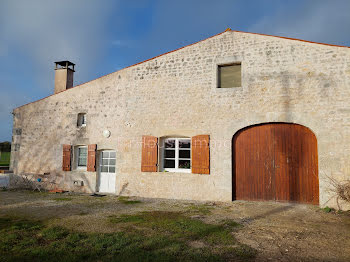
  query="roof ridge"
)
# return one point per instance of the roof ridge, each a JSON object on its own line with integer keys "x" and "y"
{"x": 125, "y": 68}
{"x": 290, "y": 38}
{"x": 226, "y": 30}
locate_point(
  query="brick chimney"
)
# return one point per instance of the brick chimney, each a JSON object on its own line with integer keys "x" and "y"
{"x": 64, "y": 72}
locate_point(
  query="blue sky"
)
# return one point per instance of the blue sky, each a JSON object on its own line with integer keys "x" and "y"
{"x": 103, "y": 36}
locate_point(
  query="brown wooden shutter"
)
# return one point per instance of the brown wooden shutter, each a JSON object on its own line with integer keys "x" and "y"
{"x": 200, "y": 154}
{"x": 66, "y": 162}
{"x": 149, "y": 159}
{"x": 91, "y": 161}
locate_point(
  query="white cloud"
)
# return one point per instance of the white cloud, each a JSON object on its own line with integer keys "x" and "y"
{"x": 320, "y": 21}
{"x": 49, "y": 30}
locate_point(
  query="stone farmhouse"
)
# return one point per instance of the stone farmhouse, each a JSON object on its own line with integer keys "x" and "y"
{"x": 237, "y": 116}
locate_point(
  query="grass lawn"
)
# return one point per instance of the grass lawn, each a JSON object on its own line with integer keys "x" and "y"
{"x": 146, "y": 236}
{"x": 5, "y": 158}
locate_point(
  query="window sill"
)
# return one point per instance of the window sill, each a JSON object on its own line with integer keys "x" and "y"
{"x": 80, "y": 169}
{"x": 219, "y": 87}
{"x": 175, "y": 171}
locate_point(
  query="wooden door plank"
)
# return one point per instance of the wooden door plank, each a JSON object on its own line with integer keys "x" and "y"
{"x": 276, "y": 161}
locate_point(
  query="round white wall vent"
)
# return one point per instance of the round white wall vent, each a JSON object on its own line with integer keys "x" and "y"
{"x": 106, "y": 133}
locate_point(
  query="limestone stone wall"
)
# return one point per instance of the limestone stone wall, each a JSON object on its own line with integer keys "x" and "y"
{"x": 176, "y": 94}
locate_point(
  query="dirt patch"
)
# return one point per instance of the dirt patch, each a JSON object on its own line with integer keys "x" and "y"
{"x": 261, "y": 231}
{"x": 197, "y": 244}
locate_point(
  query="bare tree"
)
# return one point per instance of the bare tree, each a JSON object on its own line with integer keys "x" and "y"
{"x": 341, "y": 189}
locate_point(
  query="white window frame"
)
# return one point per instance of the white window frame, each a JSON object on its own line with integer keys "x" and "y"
{"x": 176, "y": 169}
{"x": 81, "y": 120}
{"x": 108, "y": 165}
{"x": 76, "y": 159}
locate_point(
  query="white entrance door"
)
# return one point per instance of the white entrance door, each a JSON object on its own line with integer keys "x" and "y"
{"x": 107, "y": 176}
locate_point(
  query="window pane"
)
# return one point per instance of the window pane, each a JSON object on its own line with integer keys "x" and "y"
{"x": 169, "y": 163}
{"x": 185, "y": 164}
{"x": 111, "y": 169}
{"x": 82, "y": 151}
{"x": 169, "y": 143}
{"x": 112, "y": 162}
{"x": 185, "y": 143}
{"x": 184, "y": 153}
{"x": 105, "y": 162}
{"x": 169, "y": 154}
{"x": 112, "y": 154}
{"x": 104, "y": 169}
{"x": 105, "y": 154}
{"x": 82, "y": 161}
{"x": 230, "y": 76}
{"x": 82, "y": 156}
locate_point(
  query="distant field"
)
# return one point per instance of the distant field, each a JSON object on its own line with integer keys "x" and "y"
{"x": 5, "y": 158}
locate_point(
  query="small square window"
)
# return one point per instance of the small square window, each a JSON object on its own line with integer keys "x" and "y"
{"x": 169, "y": 143}
{"x": 81, "y": 120}
{"x": 229, "y": 76}
{"x": 169, "y": 153}
{"x": 169, "y": 163}
{"x": 186, "y": 164}
{"x": 184, "y": 154}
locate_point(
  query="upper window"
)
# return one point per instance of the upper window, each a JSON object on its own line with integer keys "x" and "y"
{"x": 177, "y": 154}
{"x": 81, "y": 159}
{"x": 81, "y": 119}
{"x": 229, "y": 75}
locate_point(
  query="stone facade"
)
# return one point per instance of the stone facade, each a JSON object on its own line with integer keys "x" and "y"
{"x": 283, "y": 80}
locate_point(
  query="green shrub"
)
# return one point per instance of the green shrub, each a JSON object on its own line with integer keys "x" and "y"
{"x": 327, "y": 209}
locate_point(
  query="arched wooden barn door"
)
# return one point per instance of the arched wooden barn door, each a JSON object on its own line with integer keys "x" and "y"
{"x": 275, "y": 161}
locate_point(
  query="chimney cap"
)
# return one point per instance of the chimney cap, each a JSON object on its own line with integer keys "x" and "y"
{"x": 64, "y": 64}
